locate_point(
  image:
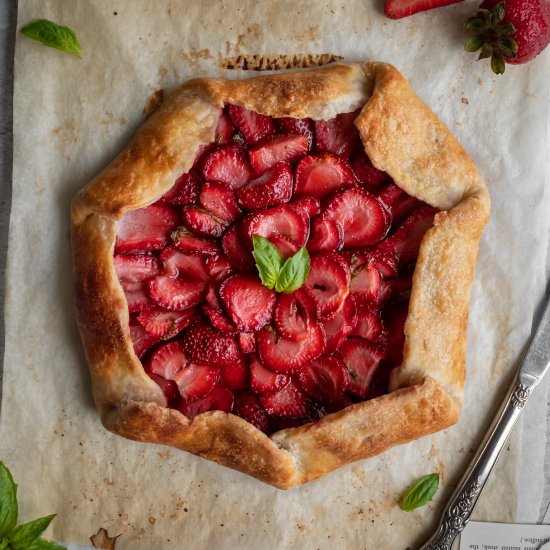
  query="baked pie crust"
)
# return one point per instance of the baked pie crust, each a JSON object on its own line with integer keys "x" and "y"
{"x": 402, "y": 137}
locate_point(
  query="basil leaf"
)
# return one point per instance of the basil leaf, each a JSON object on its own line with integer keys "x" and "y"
{"x": 27, "y": 533}
{"x": 294, "y": 273}
{"x": 269, "y": 260}
{"x": 53, "y": 35}
{"x": 8, "y": 501}
{"x": 42, "y": 544}
{"x": 4, "y": 544}
{"x": 420, "y": 493}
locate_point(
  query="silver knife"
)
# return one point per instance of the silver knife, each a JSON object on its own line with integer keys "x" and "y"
{"x": 533, "y": 367}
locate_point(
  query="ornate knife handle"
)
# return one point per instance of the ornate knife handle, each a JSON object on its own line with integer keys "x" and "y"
{"x": 460, "y": 507}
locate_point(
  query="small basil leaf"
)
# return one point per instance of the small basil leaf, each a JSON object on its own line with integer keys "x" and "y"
{"x": 269, "y": 260}
{"x": 8, "y": 501}
{"x": 4, "y": 544}
{"x": 42, "y": 544}
{"x": 294, "y": 273}
{"x": 53, "y": 35}
{"x": 420, "y": 493}
{"x": 24, "y": 535}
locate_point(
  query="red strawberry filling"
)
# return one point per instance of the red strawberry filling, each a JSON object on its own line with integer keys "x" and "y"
{"x": 211, "y": 334}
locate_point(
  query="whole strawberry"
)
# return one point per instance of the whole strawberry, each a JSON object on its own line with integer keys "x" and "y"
{"x": 512, "y": 31}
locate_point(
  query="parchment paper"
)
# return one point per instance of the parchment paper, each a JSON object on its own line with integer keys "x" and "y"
{"x": 71, "y": 116}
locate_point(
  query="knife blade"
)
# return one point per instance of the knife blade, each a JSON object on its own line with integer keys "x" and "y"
{"x": 534, "y": 365}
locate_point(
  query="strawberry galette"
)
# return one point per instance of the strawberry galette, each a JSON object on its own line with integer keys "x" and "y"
{"x": 275, "y": 273}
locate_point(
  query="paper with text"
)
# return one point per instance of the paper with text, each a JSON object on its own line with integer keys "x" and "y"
{"x": 503, "y": 536}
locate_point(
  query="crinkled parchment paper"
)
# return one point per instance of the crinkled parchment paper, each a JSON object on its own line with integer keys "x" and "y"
{"x": 72, "y": 116}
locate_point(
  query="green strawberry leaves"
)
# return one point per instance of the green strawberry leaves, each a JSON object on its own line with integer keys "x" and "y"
{"x": 420, "y": 493}
{"x": 491, "y": 36}
{"x": 53, "y": 35}
{"x": 20, "y": 537}
{"x": 276, "y": 273}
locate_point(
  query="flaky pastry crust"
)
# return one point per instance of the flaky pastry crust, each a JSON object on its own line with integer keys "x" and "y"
{"x": 402, "y": 137}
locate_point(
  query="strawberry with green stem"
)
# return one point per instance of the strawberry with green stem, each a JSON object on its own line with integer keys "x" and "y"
{"x": 512, "y": 31}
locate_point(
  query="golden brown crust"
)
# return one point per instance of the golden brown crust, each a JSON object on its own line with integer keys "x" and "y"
{"x": 401, "y": 136}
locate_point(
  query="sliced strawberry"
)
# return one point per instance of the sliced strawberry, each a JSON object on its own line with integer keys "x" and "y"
{"x": 219, "y": 399}
{"x": 224, "y": 129}
{"x": 361, "y": 358}
{"x": 294, "y": 313}
{"x": 247, "y": 342}
{"x": 362, "y": 217}
{"x": 365, "y": 284}
{"x": 319, "y": 175}
{"x": 188, "y": 243}
{"x": 283, "y": 354}
{"x": 273, "y": 187}
{"x": 263, "y": 380}
{"x": 282, "y": 220}
{"x": 279, "y": 148}
{"x": 369, "y": 324}
{"x": 201, "y": 222}
{"x": 326, "y": 235}
{"x": 145, "y": 229}
{"x": 218, "y": 267}
{"x": 166, "y": 324}
{"x": 220, "y": 201}
{"x": 168, "y": 387}
{"x": 219, "y": 319}
{"x": 284, "y": 246}
{"x": 290, "y": 401}
{"x": 367, "y": 175}
{"x": 137, "y": 296}
{"x": 338, "y": 405}
{"x": 176, "y": 294}
{"x": 341, "y": 325}
{"x": 247, "y": 301}
{"x": 168, "y": 360}
{"x": 228, "y": 164}
{"x": 136, "y": 268}
{"x": 394, "y": 316}
{"x": 183, "y": 283}
{"x": 253, "y": 126}
{"x": 207, "y": 346}
{"x": 309, "y": 205}
{"x": 185, "y": 190}
{"x": 399, "y": 203}
{"x": 405, "y": 242}
{"x": 385, "y": 261}
{"x": 212, "y": 298}
{"x": 401, "y": 287}
{"x": 236, "y": 376}
{"x": 379, "y": 384}
{"x": 248, "y": 407}
{"x": 238, "y": 255}
{"x": 396, "y": 9}
{"x": 195, "y": 381}
{"x": 186, "y": 265}
{"x": 302, "y": 126}
{"x": 328, "y": 280}
{"x": 338, "y": 135}
{"x": 141, "y": 339}
{"x": 325, "y": 378}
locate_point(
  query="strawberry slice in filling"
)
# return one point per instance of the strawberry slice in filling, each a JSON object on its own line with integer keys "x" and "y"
{"x": 211, "y": 334}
